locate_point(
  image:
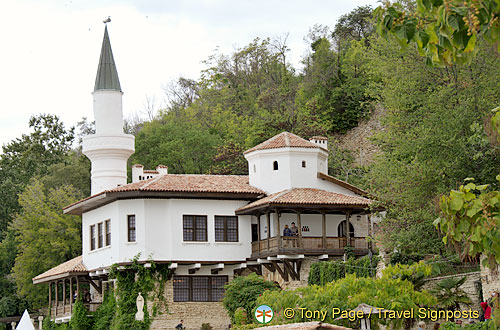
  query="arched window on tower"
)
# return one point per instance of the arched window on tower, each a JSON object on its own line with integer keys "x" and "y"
{"x": 303, "y": 163}
{"x": 342, "y": 229}
{"x": 275, "y": 165}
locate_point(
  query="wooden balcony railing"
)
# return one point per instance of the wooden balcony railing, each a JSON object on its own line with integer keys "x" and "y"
{"x": 67, "y": 309}
{"x": 313, "y": 245}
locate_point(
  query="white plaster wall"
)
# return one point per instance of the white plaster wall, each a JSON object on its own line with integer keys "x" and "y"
{"x": 159, "y": 232}
{"x": 108, "y": 112}
{"x": 107, "y": 255}
{"x": 290, "y": 173}
{"x": 315, "y": 223}
{"x": 210, "y": 250}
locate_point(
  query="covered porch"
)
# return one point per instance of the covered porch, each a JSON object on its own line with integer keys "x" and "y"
{"x": 68, "y": 282}
{"x": 326, "y": 224}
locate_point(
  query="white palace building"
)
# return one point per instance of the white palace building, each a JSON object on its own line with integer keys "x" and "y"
{"x": 209, "y": 228}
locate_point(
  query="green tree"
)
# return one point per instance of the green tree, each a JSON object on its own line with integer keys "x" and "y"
{"x": 28, "y": 156}
{"x": 45, "y": 236}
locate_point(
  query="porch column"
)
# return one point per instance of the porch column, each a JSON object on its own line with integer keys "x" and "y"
{"x": 50, "y": 296}
{"x": 348, "y": 227}
{"x": 57, "y": 296}
{"x": 268, "y": 230}
{"x": 71, "y": 295}
{"x": 299, "y": 223}
{"x": 64, "y": 293}
{"x": 77, "y": 288}
{"x": 258, "y": 233}
{"x": 323, "y": 241}
{"x": 279, "y": 229}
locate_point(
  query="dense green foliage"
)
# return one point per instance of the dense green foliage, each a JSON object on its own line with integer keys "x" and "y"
{"x": 446, "y": 31}
{"x": 347, "y": 293}
{"x": 80, "y": 319}
{"x": 132, "y": 280}
{"x": 61, "y": 176}
{"x": 242, "y": 292}
{"x": 476, "y": 326}
{"x": 327, "y": 271}
{"x": 45, "y": 236}
{"x": 434, "y": 138}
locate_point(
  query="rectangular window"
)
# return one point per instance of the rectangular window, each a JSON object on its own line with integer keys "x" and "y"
{"x": 99, "y": 235}
{"x": 199, "y": 288}
{"x": 131, "y": 227}
{"x": 195, "y": 228}
{"x": 92, "y": 237}
{"x": 107, "y": 225}
{"x": 226, "y": 228}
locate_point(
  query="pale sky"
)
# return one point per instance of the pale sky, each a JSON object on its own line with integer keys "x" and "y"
{"x": 50, "y": 48}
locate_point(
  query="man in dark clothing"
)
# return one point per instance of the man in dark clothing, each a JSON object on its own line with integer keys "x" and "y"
{"x": 180, "y": 326}
{"x": 287, "y": 231}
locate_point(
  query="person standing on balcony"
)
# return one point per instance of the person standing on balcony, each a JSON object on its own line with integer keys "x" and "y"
{"x": 287, "y": 231}
{"x": 294, "y": 229}
{"x": 295, "y": 234}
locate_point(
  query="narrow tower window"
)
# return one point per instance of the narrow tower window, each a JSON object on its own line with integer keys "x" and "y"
{"x": 131, "y": 227}
{"x": 303, "y": 163}
{"x": 254, "y": 168}
{"x": 275, "y": 165}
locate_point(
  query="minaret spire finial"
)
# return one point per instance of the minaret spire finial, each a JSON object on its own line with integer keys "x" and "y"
{"x": 107, "y": 76}
{"x": 107, "y": 20}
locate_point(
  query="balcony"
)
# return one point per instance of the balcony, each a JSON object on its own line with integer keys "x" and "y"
{"x": 308, "y": 245}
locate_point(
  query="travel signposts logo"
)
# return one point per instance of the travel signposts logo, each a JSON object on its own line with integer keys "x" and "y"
{"x": 263, "y": 314}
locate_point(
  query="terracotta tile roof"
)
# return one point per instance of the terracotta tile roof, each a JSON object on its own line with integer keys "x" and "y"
{"x": 74, "y": 265}
{"x": 193, "y": 183}
{"x": 308, "y": 196}
{"x": 284, "y": 140}
{"x": 203, "y": 183}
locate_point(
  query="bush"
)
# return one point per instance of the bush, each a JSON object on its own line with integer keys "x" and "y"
{"x": 105, "y": 313}
{"x": 477, "y": 326}
{"x": 79, "y": 319}
{"x": 327, "y": 271}
{"x": 243, "y": 292}
{"x": 206, "y": 326}
{"x": 240, "y": 316}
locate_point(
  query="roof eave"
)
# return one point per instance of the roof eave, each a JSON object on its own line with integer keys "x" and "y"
{"x": 57, "y": 277}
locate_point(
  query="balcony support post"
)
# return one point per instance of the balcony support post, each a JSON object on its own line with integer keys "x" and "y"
{"x": 258, "y": 234}
{"x": 279, "y": 229}
{"x": 299, "y": 223}
{"x": 323, "y": 228}
{"x": 268, "y": 218}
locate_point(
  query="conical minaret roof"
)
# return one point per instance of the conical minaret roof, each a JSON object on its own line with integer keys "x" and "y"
{"x": 107, "y": 76}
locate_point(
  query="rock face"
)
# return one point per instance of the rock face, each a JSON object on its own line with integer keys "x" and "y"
{"x": 357, "y": 140}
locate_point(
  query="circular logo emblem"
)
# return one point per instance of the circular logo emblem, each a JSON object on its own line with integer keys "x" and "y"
{"x": 263, "y": 314}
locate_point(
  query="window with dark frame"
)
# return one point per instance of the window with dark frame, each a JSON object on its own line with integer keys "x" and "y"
{"x": 275, "y": 165}
{"x": 131, "y": 228}
{"x": 92, "y": 237}
{"x": 303, "y": 163}
{"x": 100, "y": 237}
{"x": 226, "y": 228}
{"x": 194, "y": 228}
{"x": 199, "y": 288}
{"x": 107, "y": 228}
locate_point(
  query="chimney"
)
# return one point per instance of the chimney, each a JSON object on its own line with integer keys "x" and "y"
{"x": 137, "y": 172}
{"x": 321, "y": 141}
{"x": 162, "y": 169}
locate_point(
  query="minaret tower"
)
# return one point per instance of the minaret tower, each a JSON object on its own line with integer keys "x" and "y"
{"x": 109, "y": 148}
